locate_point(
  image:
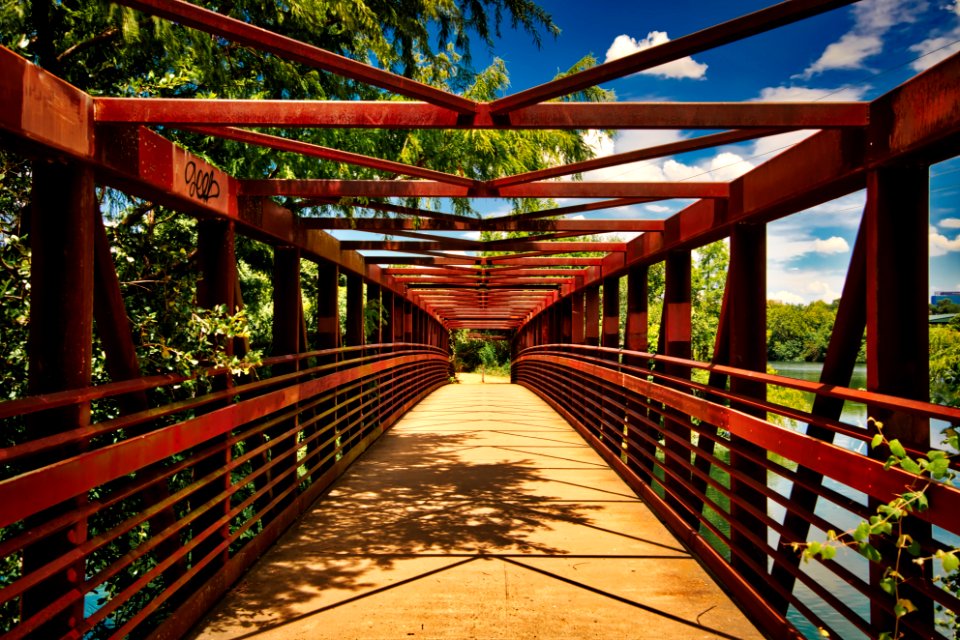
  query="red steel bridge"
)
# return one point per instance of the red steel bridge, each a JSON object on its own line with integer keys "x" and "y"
{"x": 697, "y": 448}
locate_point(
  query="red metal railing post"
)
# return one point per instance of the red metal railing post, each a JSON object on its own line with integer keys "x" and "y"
{"x": 748, "y": 351}
{"x": 566, "y": 320}
{"x": 60, "y": 347}
{"x": 286, "y": 341}
{"x": 896, "y": 221}
{"x": 636, "y": 339}
{"x": 407, "y": 321}
{"x": 676, "y": 340}
{"x": 576, "y": 318}
{"x": 217, "y": 286}
{"x": 591, "y": 333}
{"x": 354, "y": 335}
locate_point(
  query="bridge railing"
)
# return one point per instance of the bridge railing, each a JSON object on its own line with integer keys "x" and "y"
{"x": 148, "y": 516}
{"x": 738, "y": 489}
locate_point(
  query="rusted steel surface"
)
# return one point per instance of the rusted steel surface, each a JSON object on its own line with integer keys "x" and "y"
{"x": 433, "y": 189}
{"x": 412, "y": 115}
{"x": 105, "y": 457}
{"x": 580, "y": 381}
{"x": 222, "y": 472}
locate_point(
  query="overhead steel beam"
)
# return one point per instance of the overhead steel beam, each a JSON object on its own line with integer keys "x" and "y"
{"x": 517, "y": 245}
{"x": 421, "y": 115}
{"x": 562, "y": 211}
{"x": 280, "y": 143}
{"x": 715, "y": 36}
{"x": 433, "y": 189}
{"x": 617, "y": 159}
{"x": 190, "y": 15}
{"x": 388, "y": 225}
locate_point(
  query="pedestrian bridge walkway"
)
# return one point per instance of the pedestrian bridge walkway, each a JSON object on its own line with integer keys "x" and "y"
{"x": 482, "y": 513}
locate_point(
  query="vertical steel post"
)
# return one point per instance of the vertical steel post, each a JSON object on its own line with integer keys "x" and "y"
{"x": 328, "y": 314}
{"x": 217, "y": 287}
{"x": 374, "y": 302}
{"x": 576, "y": 318}
{"x": 566, "y": 320}
{"x": 286, "y": 341}
{"x": 591, "y": 333}
{"x": 60, "y": 355}
{"x": 328, "y": 337}
{"x": 611, "y": 312}
{"x": 676, "y": 338}
{"x": 635, "y": 339}
{"x": 354, "y": 335}
{"x": 748, "y": 350}
{"x": 897, "y": 221}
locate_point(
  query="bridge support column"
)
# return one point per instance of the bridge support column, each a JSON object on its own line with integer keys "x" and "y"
{"x": 591, "y": 313}
{"x": 328, "y": 313}
{"x": 354, "y": 335}
{"x": 576, "y": 318}
{"x": 641, "y": 452}
{"x": 287, "y": 317}
{"x": 375, "y": 302}
{"x": 748, "y": 350}
{"x": 896, "y": 222}
{"x": 676, "y": 340}
{"x": 566, "y": 320}
{"x": 611, "y": 313}
{"x": 218, "y": 286}
{"x": 328, "y": 337}
{"x": 60, "y": 354}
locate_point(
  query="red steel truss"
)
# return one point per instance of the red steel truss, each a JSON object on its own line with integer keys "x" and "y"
{"x": 639, "y": 410}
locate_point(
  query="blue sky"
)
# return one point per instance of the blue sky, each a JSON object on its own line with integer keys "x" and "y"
{"x": 854, "y": 53}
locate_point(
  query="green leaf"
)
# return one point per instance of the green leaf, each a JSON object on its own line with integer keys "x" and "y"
{"x": 870, "y": 552}
{"x": 897, "y": 449}
{"x": 828, "y": 552}
{"x": 877, "y": 441}
{"x": 889, "y": 585}
{"x": 950, "y": 562}
{"x": 862, "y": 532}
{"x": 903, "y": 607}
{"x": 910, "y": 466}
{"x": 938, "y": 467}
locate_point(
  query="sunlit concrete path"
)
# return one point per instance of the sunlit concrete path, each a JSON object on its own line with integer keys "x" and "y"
{"x": 481, "y": 514}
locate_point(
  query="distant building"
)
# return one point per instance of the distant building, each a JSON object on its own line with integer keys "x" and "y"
{"x": 952, "y": 296}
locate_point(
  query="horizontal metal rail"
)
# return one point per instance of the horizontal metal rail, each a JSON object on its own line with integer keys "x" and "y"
{"x": 674, "y": 441}
{"x": 180, "y": 498}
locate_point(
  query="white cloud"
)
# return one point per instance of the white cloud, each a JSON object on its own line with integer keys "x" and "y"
{"x": 811, "y": 94}
{"x": 624, "y": 45}
{"x": 656, "y": 208}
{"x": 832, "y": 245}
{"x": 633, "y": 139}
{"x": 847, "y": 53}
{"x": 941, "y": 245}
{"x": 934, "y": 50}
{"x": 950, "y": 223}
{"x": 872, "y": 19}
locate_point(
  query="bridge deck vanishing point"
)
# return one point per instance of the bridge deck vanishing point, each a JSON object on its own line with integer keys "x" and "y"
{"x": 481, "y": 514}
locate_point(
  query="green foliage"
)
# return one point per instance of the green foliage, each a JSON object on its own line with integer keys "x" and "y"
{"x": 945, "y": 364}
{"x": 797, "y": 332}
{"x": 470, "y": 352}
{"x": 889, "y": 524}
{"x": 707, "y": 278}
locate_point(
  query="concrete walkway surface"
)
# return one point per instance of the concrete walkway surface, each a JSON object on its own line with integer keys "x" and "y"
{"x": 481, "y": 514}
